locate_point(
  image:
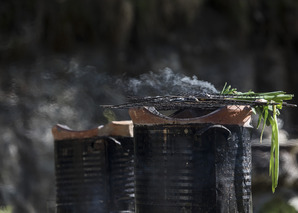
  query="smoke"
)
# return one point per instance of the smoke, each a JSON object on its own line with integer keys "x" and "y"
{"x": 33, "y": 100}
{"x": 166, "y": 82}
{"x": 52, "y": 91}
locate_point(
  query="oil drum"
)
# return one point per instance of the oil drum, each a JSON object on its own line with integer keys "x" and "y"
{"x": 121, "y": 165}
{"x": 94, "y": 169}
{"x": 81, "y": 175}
{"x": 191, "y": 166}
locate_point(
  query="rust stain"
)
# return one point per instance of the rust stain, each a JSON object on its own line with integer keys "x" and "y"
{"x": 114, "y": 128}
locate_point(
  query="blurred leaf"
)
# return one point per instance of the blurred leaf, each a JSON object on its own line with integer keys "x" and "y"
{"x": 109, "y": 115}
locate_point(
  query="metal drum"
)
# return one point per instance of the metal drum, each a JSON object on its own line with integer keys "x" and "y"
{"x": 121, "y": 161}
{"x": 81, "y": 175}
{"x": 191, "y": 167}
{"x": 94, "y": 169}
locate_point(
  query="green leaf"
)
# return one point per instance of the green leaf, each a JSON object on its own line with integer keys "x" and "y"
{"x": 224, "y": 89}
{"x": 254, "y": 110}
{"x": 260, "y": 116}
{"x": 274, "y": 138}
{"x": 265, "y": 115}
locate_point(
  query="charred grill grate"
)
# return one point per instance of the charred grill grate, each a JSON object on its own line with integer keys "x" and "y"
{"x": 203, "y": 101}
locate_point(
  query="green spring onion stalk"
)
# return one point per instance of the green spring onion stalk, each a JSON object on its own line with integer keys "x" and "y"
{"x": 267, "y": 113}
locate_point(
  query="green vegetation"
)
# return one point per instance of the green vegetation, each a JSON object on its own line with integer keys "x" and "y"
{"x": 109, "y": 115}
{"x": 267, "y": 110}
{"x": 277, "y": 205}
{"x": 5, "y": 209}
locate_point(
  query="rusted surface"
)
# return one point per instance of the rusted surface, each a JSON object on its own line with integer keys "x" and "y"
{"x": 229, "y": 115}
{"x": 115, "y": 128}
{"x": 61, "y": 132}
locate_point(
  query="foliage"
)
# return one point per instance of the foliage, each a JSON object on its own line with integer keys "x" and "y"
{"x": 5, "y": 209}
{"x": 277, "y": 205}
{"x": 109, "y": 115}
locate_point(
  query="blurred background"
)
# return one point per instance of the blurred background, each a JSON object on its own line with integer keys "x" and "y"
{"x": 60, "y": 60}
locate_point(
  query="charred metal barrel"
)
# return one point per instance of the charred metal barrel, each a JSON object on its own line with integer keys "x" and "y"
{"x": 121, "y": 160}
{"x": 89, "y": 164}
{"x": 81, "y": 175}
{"x": 192, "y": 165}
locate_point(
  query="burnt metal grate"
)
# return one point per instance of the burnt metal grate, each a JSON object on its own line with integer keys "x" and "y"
{"x": 202, "y": 101}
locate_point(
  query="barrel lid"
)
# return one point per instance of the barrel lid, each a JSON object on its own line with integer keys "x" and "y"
{"x": 228, "y": 115}
{"x": 114, "y": 128}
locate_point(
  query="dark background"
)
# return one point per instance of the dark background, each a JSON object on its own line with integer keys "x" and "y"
{"x": 60, "y": 60}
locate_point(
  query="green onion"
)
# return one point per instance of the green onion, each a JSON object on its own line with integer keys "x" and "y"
{"x": 268, "y": 114}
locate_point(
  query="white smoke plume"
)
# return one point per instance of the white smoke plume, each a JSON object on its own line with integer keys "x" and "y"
{"x": 166, "y": 82}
